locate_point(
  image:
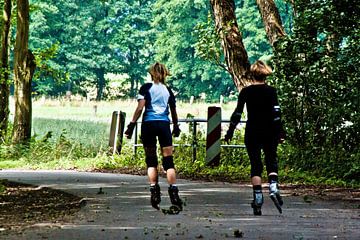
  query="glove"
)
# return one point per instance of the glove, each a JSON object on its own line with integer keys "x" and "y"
{"x": 130, "y": 129}
{"x": 279, "y": 132}
{"x": 282, "y": 136}
{"x": 230, "y": 133}
{"x": 176, "y": 130}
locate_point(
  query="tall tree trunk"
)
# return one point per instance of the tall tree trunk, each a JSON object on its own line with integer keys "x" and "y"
{"x": 272, "y": 21}
{"x": 24, "y": 67}
{"x": 231, "y": 41}
{"x": 4, "y": 70}
{"x": 100, "y": 83}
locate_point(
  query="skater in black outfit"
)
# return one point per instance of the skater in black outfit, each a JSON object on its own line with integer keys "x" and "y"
{"x": 157, "y": 98}
{"x": 264, "y": 131}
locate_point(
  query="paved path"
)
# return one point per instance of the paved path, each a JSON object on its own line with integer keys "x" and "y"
{"x": 213, "y": 211}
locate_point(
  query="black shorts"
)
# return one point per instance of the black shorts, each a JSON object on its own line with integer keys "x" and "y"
{"x": 152, "y": 129}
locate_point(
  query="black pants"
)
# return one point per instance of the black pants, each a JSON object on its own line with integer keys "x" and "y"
{"x": 255, "y": 141}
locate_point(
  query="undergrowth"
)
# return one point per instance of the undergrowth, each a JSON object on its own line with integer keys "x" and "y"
{"x": 62, "y": 152}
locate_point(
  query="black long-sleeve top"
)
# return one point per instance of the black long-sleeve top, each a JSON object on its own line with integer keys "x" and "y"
{"x": 262, "y": 107}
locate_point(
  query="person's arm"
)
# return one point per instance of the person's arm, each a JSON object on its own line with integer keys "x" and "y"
{"x": 138, "y": 110}
{"x": 174, "y": 116}
{"x": 280, "y": 132}
{"x": 236, "y": 116}
{"x": 176, "y": 129}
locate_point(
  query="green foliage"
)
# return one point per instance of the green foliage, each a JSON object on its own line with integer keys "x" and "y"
{"x": 78, "y": 43}
{"x": 318, "y": 81}
{"x": 48, "y": 76}
{"x": 62, "y": 152}
{"x": 2, "y": 186}
{"x": 94, "y": 38}
{"x": 253, "y": 32}
{"x": 174, "y": 24}
{"x": 40, "y": 151}
{"x": 208, "y": 45}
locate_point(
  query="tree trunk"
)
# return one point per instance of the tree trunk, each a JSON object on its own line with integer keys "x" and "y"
{"x": 100, "y": 83}
{"x": 24, "y": 67}
{"x": 4, "y": 71}
{"x": 272, "y": 21}
{"x": 231, "y": 41}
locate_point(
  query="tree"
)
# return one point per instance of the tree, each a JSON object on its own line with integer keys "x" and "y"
{"x": 24, "y": 67}
{"x": 4, "y": 70}
{"x": 93, "y": 38}
{"x": 175, "y": 24}
{"x": 317, "y": 76}
{"x": 133, "y": 40}
{"x": 253, "y": 36}
{"x": 252, "y": 28}
{"x": 272, "y": 21}
{"x": 231, "y": 40}
{"x": 50, "y": 77}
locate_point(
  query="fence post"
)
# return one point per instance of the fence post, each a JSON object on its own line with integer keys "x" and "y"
{"x": 194, "y": 142}
{"x": 116, "y": 132}
{"x": 213, "y": 138}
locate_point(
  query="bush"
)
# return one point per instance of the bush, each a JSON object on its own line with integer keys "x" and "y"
{"x": 317, "y": 78}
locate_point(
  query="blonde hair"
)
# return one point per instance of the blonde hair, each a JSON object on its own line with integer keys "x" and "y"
{"x": 159, "y": 72}
{"x": 260, "y": 70}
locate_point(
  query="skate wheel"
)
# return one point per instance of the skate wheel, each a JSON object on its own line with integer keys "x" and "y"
{"x": 277, "y": 204}
{"x": 157, "y": 207}
{"x": 257, "y": 211}
{"x": 175, "y": 209}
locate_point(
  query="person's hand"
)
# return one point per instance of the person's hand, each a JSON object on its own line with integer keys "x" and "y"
{"x": 176, "y": 130}
{"x": 229, "y": 135}
{"x": 130, "y": 129}
{"x": 282, "y": 136}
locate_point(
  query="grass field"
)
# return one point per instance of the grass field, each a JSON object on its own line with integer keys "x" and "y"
{"x": 80, "y": 141}
{"x": 89, "y": 122}
{"x": 80, "y": 133}
{"x": 101, "y": 111}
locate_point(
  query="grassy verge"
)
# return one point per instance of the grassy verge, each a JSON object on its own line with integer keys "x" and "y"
{"x": 81, "y": 143}
{"x": 64, "y": 153}
{"x": 91, "y": 134}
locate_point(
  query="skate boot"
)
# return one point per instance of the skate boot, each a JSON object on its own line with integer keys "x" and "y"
{"x": 275, "y": 195}
{"x": 155, "y": 196}
{"x": 257, "y": 202}
{"x": 177, "y": 203}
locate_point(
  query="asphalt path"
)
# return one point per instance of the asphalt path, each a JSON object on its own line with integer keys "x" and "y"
{"x": 214, "y": 210}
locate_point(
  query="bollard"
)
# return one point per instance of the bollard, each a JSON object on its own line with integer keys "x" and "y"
{"x": 213, "y": 138}
{"x": 95, "y": 109}
{"x": 191, "y": 100}
{"x": 116, "y": 132}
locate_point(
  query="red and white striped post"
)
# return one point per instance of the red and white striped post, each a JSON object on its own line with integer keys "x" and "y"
{"x": 213, "y": 138}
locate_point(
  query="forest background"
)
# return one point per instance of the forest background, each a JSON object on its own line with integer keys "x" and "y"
{"x": 94, "y": 53}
